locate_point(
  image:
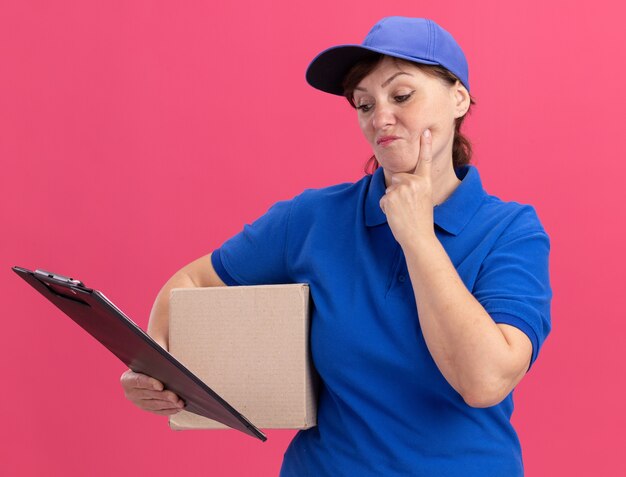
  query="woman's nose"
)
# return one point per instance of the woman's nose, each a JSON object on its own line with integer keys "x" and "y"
{"x": 383, "y": 116}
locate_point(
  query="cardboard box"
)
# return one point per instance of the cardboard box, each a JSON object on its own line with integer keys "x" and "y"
{"x": 250, "y": 344}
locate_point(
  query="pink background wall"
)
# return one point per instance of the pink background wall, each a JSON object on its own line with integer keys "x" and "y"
{"x": 136, "y": 136}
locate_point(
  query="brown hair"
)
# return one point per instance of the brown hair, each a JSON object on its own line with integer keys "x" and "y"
{"x": 461, "y": 147}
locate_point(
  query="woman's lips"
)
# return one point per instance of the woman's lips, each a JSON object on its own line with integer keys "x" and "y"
{"x": 384, "y": 141}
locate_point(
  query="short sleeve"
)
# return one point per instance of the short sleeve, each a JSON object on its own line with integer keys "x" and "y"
{"x": 256, "y": 255}
{"x": 513, "y": 284}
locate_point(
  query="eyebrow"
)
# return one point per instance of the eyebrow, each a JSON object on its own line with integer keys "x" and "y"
{"x": 388, "y": 81}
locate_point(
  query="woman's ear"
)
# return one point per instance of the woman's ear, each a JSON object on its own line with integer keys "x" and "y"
{"x": 461, "y": 99}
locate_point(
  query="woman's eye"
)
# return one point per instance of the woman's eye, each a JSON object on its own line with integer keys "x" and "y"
{"x": 402, "y": 98}
{"x": 364, "y": 107}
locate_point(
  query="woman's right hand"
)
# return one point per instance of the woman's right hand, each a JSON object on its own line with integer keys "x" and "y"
{"x": 147, "y": 393}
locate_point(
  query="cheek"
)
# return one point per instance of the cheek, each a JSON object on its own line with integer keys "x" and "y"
{"x": 366, "y": 128}
{"x": 429, "y": 120}
{"x": 418, "y": 121}
{"x": 418, "y": 127}
{"x": 442, "y": 121}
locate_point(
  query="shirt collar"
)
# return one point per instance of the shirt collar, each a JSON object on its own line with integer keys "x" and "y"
{"x": 452, "y": 215}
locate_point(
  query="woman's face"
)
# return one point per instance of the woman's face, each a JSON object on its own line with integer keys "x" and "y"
{"x": 396, "y": 103}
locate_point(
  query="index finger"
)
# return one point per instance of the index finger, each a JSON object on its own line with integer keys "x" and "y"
{"x": 425, "y": 158}
{"x": 143, "y": 381}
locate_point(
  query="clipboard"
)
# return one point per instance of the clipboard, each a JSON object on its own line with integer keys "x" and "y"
{"x": 97, "y": 315}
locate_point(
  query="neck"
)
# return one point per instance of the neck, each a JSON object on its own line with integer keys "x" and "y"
{"x": 444, "y": 182}
{"x": 444, "y": 185}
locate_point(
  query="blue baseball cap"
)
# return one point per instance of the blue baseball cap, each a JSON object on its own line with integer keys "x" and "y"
{"x": 419, "y": 40}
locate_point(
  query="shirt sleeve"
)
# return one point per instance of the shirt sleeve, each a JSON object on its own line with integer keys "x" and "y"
{"x": 513, "y": 283}
{"x": 256, "y": 255}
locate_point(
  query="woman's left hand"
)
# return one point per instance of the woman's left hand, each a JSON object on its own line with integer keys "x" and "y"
{"x": 408, "y": 201}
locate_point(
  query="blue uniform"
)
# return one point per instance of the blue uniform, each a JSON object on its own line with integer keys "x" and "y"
{"x": 384, "y": 407}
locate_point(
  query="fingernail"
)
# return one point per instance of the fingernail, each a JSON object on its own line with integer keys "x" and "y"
{"x": 427, "y": 133}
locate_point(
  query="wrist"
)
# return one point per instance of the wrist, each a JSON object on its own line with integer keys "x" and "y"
{"x": 420, "y": 240}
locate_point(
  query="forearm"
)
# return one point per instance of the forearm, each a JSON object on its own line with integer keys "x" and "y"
{"x": 158, "y": 326}
{"x": 466, "y": 344}
{"x": 199, "y": 273}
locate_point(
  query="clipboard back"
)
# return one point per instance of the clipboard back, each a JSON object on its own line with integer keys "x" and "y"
{"x": 97, "y": 315}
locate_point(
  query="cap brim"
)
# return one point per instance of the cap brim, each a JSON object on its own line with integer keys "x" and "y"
{"x": 328, "y": 69}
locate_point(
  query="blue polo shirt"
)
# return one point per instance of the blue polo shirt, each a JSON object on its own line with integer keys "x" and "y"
{"x": 384, "y": 407}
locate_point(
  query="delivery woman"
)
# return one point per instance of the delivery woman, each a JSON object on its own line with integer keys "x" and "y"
{"x": 431, "y": 297}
